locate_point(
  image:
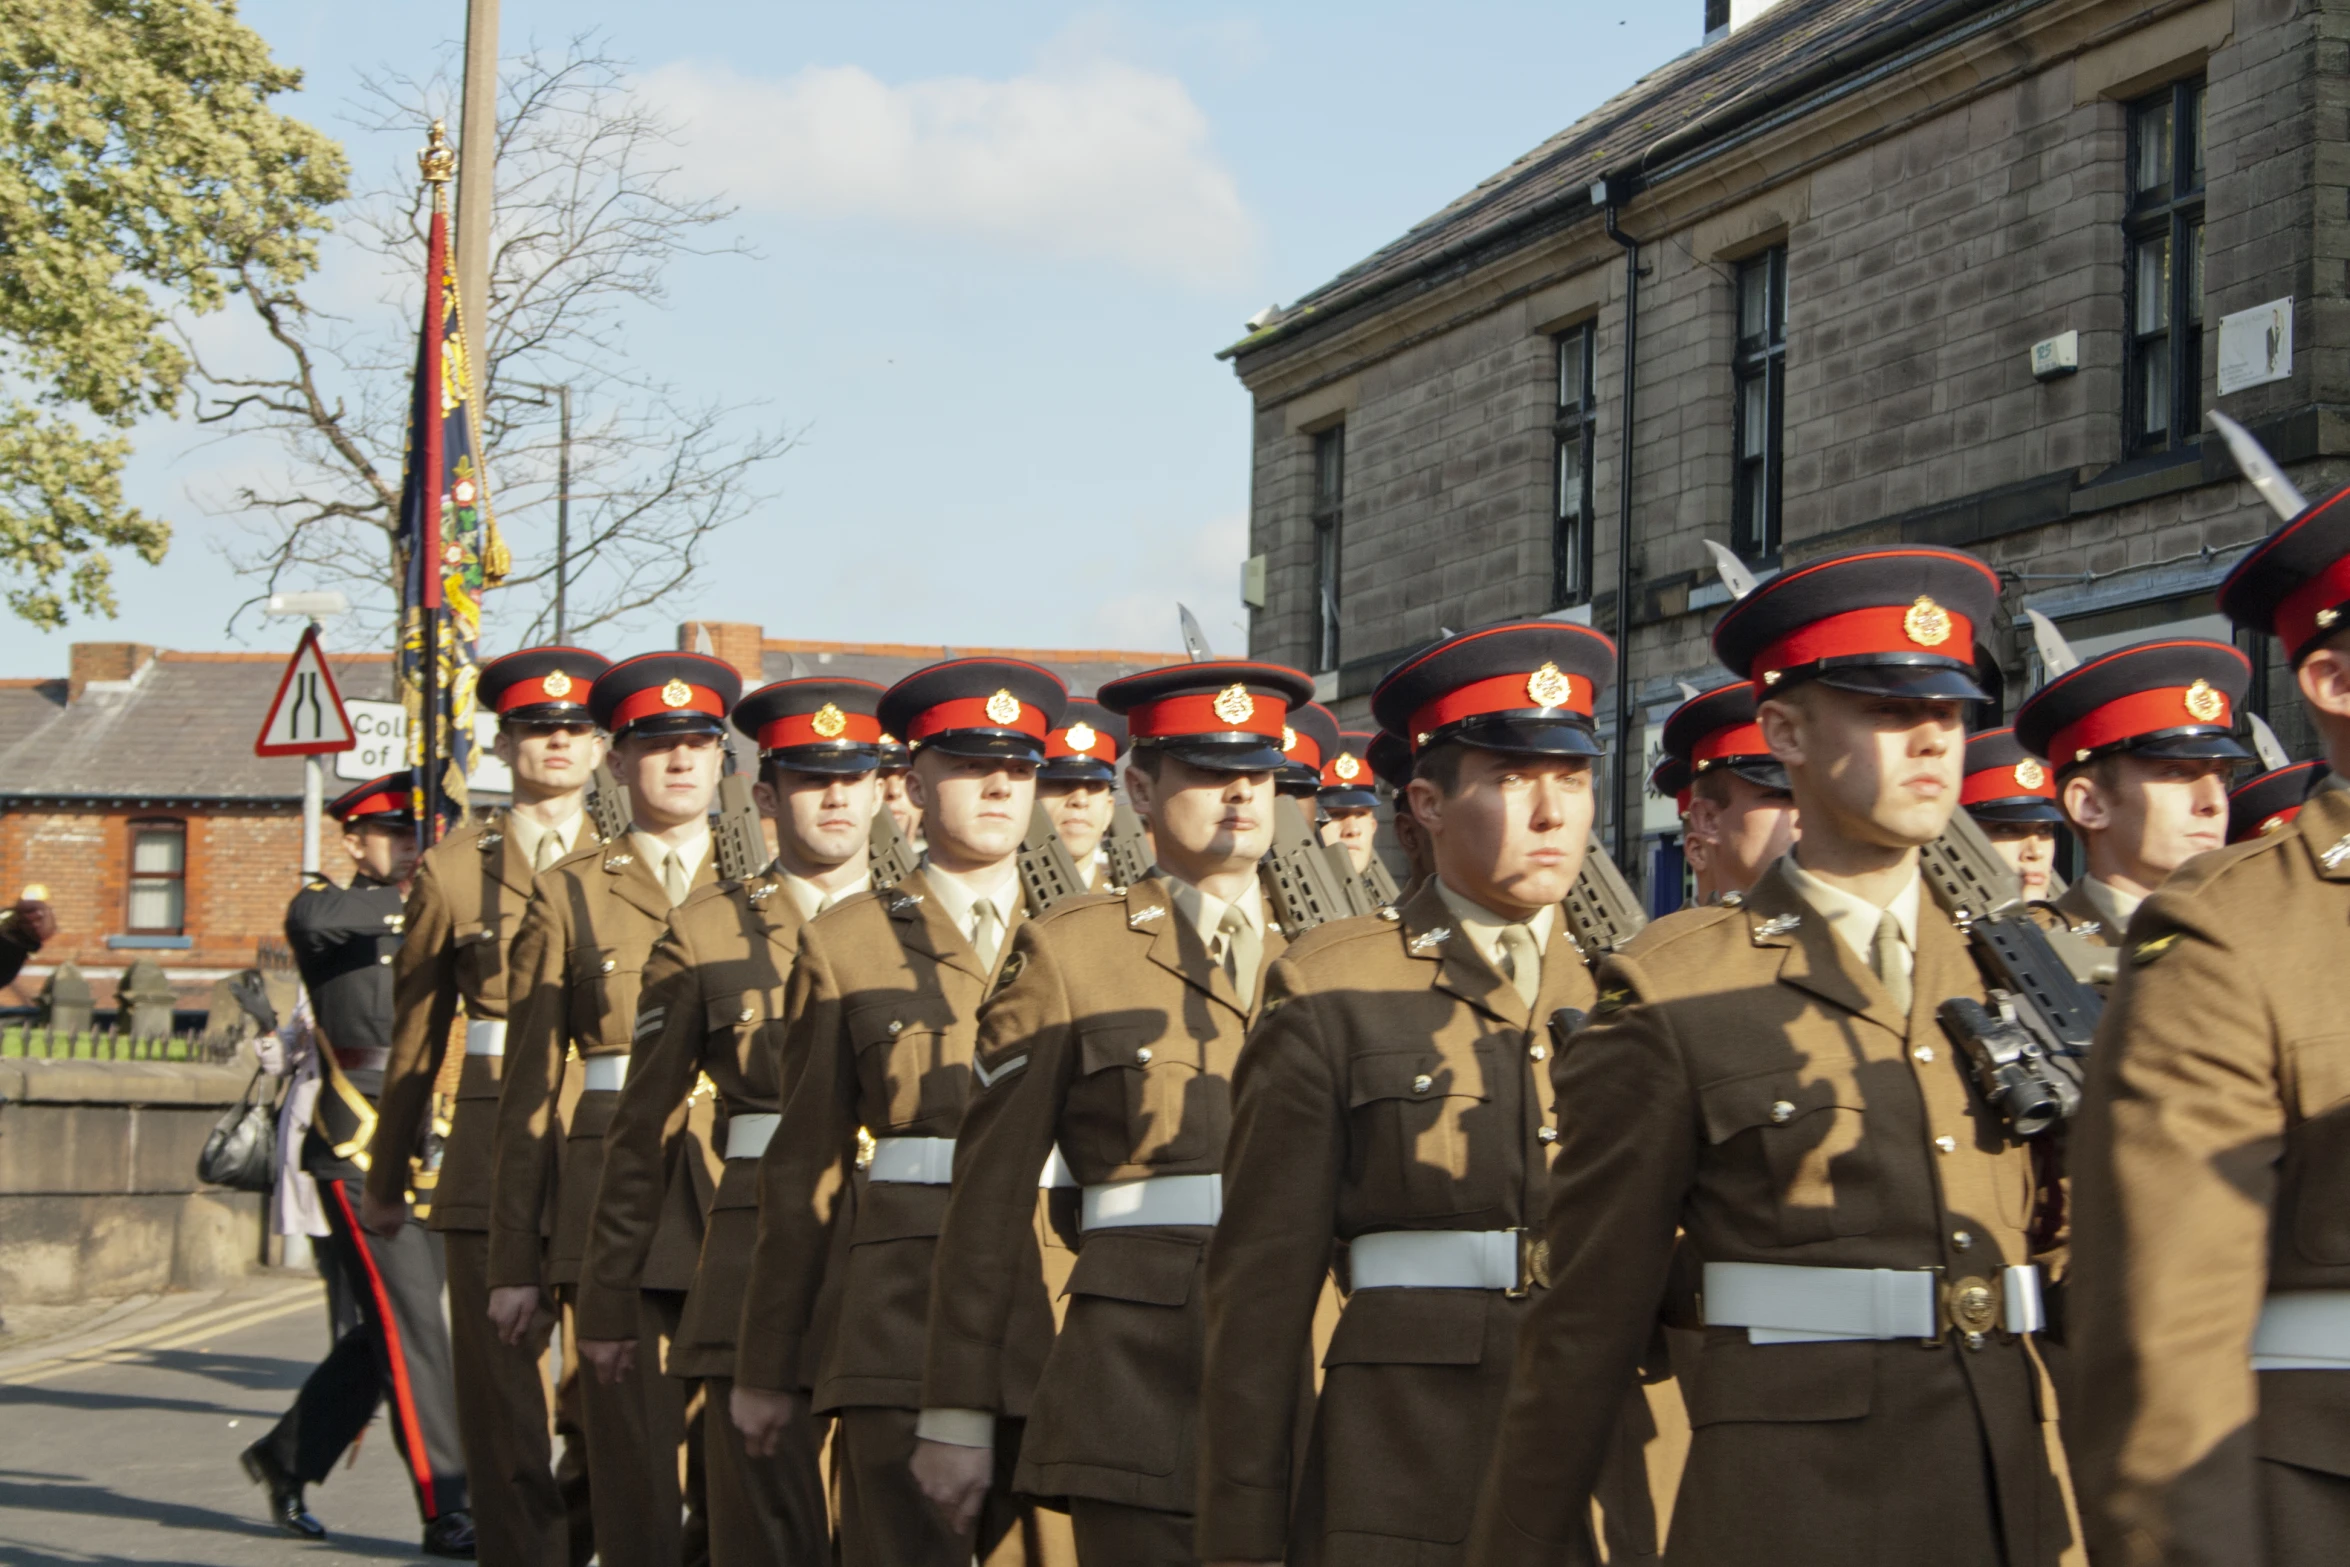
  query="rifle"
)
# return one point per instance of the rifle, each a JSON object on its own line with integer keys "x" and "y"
{"x": 889, "y": 857}
{"x": 1602, "y": 912}
{"x": 1048, "y": 876}
{"x": 1379, "y": 882}
{"x": 1128, "y": 847}
{"x": 1300, "y": 882}
{"x": 607, "y": 804}
{"x": 2028, "y": 1048}
{"x": 740, "y": 846}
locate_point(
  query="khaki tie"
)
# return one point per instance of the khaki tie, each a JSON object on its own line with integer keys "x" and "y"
{"x": 673, "y": 877}
{"x": 987, "y": 928}
{"x": 1521, "y": 962}
{"x": 550, "y": 850}
{"x": 1244, "y": 949}
{"x": 1889, "y": 954}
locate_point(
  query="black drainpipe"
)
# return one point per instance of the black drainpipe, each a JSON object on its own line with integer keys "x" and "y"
{"x": 1629, "y": 753}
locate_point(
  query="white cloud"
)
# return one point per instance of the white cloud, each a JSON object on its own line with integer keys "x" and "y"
{"x": 1133, "y": 594}
{"x": 1094, "y": 160}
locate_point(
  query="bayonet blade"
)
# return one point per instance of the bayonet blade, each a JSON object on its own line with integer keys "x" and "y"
{"x": 2056, "y": 654}
{"x": 2259, "y": 467}
{"x": 1195, "y": 641}
{"x": 1735, "y": 576}
{"x": 2266, "y": 745}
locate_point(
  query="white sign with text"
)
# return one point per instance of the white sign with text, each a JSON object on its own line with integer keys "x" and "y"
{"x": 382, "y": 728}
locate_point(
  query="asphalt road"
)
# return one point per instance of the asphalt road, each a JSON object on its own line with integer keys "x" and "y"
{"x": 119, "y": 1442}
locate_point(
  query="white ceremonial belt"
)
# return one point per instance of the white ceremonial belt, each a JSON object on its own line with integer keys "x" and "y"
{"x": 603, "y": 1074}
{"x": 1056, "y": 1172}
{"x": 1782, "y": 1304}
{"x": 2303, "y": 1330}
{"x": 1154, "y": 1199}
{"x": 485, "y": 1036}
{"x": 913, "y": 1161}
{"x": 1436, "y": 1260}
{"x": 749, "y": 1133}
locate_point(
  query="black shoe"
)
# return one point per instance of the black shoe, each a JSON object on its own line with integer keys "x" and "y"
{"x": 285, "y": 1493}
{"x": 451, "y": 1534}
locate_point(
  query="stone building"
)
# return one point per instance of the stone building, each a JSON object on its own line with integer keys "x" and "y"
{"x": 1959, "y": 272}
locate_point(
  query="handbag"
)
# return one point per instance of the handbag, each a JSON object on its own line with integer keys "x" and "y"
{"x": 241, "y": 1153}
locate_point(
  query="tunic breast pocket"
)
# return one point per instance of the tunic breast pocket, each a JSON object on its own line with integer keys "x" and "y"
{"x": 481, "y": 957}
{"x": 732, "y": 1027}
{"x": 2316, "y": 1167}
{"x": 1800, "y": 1135}
{"x": 603, "y": 997}
{"x": 1414, "y": 1118}
{"x": 1146, "y": 1099}
{"x": 905, "y": 1062}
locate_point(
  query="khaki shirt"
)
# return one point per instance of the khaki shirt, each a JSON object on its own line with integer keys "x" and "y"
{"x": 2211, "y": 1171}
{"x": 2093, "y": 913}
{"x": 593, "y": 918}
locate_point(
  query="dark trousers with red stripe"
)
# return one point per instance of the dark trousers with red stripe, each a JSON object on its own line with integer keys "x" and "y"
{"x": 397, "y": 1357}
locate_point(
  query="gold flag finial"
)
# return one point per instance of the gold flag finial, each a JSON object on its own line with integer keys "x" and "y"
{"x": 439, "y": 159}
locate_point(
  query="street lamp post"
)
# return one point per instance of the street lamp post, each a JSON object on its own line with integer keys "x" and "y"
{"x": 562, "y": 395}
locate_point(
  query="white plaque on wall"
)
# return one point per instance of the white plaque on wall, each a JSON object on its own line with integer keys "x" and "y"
{"x": 2256, "y": 346}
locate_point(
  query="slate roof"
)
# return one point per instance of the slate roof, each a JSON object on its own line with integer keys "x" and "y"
{"x": 886, "y": 663}
{"x": 1795, "y": 49}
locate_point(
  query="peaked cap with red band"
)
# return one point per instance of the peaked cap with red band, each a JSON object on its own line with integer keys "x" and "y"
{"x": 1671, "y": 778}
{"x": 1527, "y": 686}
{"x": 815, "y": 726}
{"x": 1899, "y": 621}
{"x": 1309, "y": 739}
{"x": 2296, "y": 585}
{"x": 977, "y": 707}
{"x": 1347, "y": 773}
{"x": 665, "y": 693}
{"x": 384, "y": 802}
{"x": 1226, "y": 715}
{"x": 1390, "y": 757}
{"x": 540, "y": 684}
{"x": 2268, "y": 803}
{"x": 1083, "y": 747}
{"x": 2006, "y": 783}
{"x": 2169, "y": 699}
{"x": 1717, "y": 728}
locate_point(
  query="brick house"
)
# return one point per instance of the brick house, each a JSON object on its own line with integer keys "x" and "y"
{"x": 129, "y": 789}
{"x": 1941, "y": 271}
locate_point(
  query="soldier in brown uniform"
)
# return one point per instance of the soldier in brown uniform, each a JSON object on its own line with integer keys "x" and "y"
{"x": 592, "y": 920}
{"x": 712, "y": 1007}
{"x": 1074, "y": 784}
{"x": 1770, "y": 1080}
{"x": 1394, "y": 1099}
{"x": 880, "y": 1019}
{"x": 2140, "y": 745}
{"x": 1740, "y": 817}
{"x": 1350, "y": 806}
{"x": 2211, "y": 1256}
{"x": 2012, "y": 797}
{"x": 1112, "y": 1036}
{"x": 463, "y": 910}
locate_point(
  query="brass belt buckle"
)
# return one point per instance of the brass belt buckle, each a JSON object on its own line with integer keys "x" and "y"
{"x": 1974, "y": 1306}
{"x": 1533, "y": 1262}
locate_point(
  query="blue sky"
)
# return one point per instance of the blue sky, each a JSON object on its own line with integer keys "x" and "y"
{"x": 998, "y": 246}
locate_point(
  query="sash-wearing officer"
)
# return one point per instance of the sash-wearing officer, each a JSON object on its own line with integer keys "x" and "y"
{"x": 2268, "y": 802}
{"x": 1112, "y": 1037}
{"x": 464, "y": 908}
{"x": 1074, "y": 785}
{"x": 344, "y": 940}
{"x": 1350, "y": 805}
{"x": 2012, "y": 797}
{"x": 1393, "y": 1101}
{"x": 880, "y": 1020}
{"x": 577, "y": 961}
{"x": 1740, "y": 814}
{"x": 2143, "y": 751}
{"x": 1771, "y": 1081}
{"x": 2211, "y": 1252}
{"x": 711, "y": 1009}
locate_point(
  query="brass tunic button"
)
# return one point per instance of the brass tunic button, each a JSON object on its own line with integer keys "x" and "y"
{"x": 896, "y": 1028}
{"x": 1423, "y": 1083}
{"x": 748, "y": 1014}
{"x": 1781, "y": 1113}
{"x": 1961, "y": 1239}
{"x": 1924, "y": 1052}
{"x": 610, "y": 964}
{"x": 1548, "y": 1134}
{"x": 1143, "y": 1056}
{"x": 1946, "y": 1144}
{"x": 1539, "y": 1052}
{"x": 383, "y": 957}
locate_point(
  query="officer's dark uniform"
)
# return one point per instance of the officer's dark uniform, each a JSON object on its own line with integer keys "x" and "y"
{"x": 343, "y": 939}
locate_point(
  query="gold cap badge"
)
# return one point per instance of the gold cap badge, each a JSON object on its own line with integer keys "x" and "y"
{"x": 557, "y": 685}
{"x": 2030, "y": 773}
{"x": 1235, "y": 706}
{"x": 1003, "y": 708}
{"x": 1081, "y": 736}
{"x": 2275, "y": 824}
{"x": 1548, "y": 687}
{"x": 676, "y": 694}
{"x": 1288, "y": 738}
{"x": 829, "y": 721}
{"x": 1927, "y": 623}
{"x": 1347, "y": 767}
{"x": 2204, "y": 703}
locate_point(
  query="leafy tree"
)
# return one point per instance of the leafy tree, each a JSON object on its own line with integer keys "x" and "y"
{"x": 143, "y": 174}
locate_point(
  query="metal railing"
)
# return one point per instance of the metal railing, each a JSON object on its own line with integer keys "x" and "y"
{"x": 113, "y": 1044}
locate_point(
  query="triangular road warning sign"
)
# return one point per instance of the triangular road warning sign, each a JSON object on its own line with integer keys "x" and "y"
{"x": 306, "y": 718}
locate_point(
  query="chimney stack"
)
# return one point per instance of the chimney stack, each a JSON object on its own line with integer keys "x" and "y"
{"x": 735, "y": 641}
{"x": 105, "y": 661}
